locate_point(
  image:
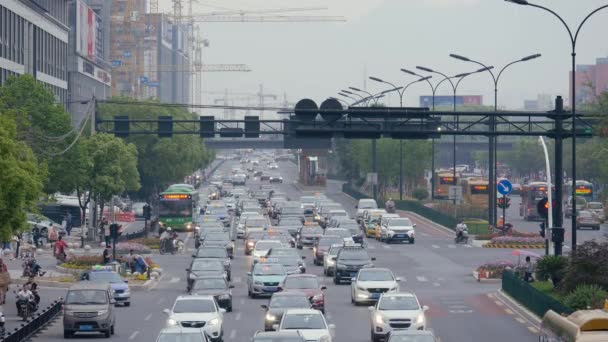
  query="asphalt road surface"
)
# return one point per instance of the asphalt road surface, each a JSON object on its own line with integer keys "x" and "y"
{"x": 436, "y": 270}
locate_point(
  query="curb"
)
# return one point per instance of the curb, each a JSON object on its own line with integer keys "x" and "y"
{"x": 498, "y": 245}
{"x": 516, "y": 304}
{"x": 479, "y": 243}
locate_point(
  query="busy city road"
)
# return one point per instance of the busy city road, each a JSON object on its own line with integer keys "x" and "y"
{"x": 434, "y": 268}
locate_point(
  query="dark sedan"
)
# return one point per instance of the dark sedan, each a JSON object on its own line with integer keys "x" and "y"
{"x": 215, "y": 286}
{"x": 203, "y": 268}
{"x": 307, "y": 236}
{"x": 215, "y": 253}
{"x": 281, "y": 301}
{"x": 307, "y": 284}
{"x": 322, "y": 245}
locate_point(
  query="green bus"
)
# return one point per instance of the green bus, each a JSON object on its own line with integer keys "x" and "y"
{"x": 176, "y": 207}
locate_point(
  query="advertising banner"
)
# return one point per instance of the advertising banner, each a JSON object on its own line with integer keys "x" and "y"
{"x": 87, "y": 29}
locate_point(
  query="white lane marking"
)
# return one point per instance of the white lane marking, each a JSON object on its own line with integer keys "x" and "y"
{"x": 421, "y": 278}
{"x": 458, "y": 306}
{"x": 468, "y": 246}
{"x": 232, "y": 334}
{"x": 148, "y": 317}
{"x": 424, "y": 234}
{"x": 509, "y": 312}
{"x": 436, "y": 284}
{"x": 242, "y": 301}
{"x": 187, "y": 238}
{"x": 135, "y": 333}
{"x": 435, "y": 246}
{"x": 498, "y": 303}
{"x": 451, "y": 246}
{"x": 533, "y": 330}
{"x": 238, "y": 317}
{"x": 174, "y": 280}
{"x": 386, "y": 246}
{"x": 520, "y": 320}
{"x": 371, "y": 247}
{"x": 236, "y": 280}
{"x": 160, "y": 300}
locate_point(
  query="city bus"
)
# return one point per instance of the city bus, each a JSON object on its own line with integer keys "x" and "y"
{"x": 531, "y": 193}
{"x": 176, "y": 207}
{"x": 584, "y": 189}
{"x": 443, "y": 181}
{"x": 475, "y": 191}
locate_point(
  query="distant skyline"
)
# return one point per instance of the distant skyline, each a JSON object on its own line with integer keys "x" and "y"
{"x": 316, "y": 60}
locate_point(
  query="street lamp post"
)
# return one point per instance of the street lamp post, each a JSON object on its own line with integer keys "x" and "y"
{"x": 492, "y": 155}
{"x": 460, "y": 78}
{"x": 573, "y": 40}
{"x": 401, "y": 93}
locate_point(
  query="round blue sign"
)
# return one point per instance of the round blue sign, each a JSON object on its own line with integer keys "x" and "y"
{"x": 504, "y": 187}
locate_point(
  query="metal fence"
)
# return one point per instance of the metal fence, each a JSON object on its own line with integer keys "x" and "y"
{"x": 34, "y": 323}
{"x": 533, "y": 299}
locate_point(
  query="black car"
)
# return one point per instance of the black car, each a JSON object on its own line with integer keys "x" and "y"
{"x": 322, "y": 246}
{"x": 281, "y": 301}
{"x": 220, "y": 239}
{"x": 215, "y": 253}
{"x": 204, "y": 268}
{"x": 215, "y": 286}
{"x": 349, "y": 261}
{"x": 307, "y": 236}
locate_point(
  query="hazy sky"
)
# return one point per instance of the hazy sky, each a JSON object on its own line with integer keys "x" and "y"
{"x": 316, "y": 60}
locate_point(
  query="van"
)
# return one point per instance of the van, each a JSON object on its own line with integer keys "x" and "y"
{"x": 89, "y": 307}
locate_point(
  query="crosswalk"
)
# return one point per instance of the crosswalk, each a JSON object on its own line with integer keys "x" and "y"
{"x": 434, "y": 246}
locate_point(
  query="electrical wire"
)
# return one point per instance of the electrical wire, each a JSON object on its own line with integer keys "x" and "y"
{"x": 87, "y": 118}
{"x": 66, "y": 135}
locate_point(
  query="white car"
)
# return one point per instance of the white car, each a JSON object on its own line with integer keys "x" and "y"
{"x": 397, "y": 230}
{"x": 309, "y": 322}
{"x": 240, "y": 227}
{"x": 329, "y": 264}
{"x": 263, "y": 246}
{"x": 371, "y": 283}
{"x": 198, "y": 312}
{"x": 273, "y": 166}
{"x": 396, "y": 311}
{"x": 364, "y": 204}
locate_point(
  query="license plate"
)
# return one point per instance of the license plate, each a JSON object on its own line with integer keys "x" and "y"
{"x": 86, "y": 327}
{"x": 375, "y": 295}
{"x": 400, "y": 235}
{"x": 270, "y": 289}
{"x": 353, "y": 274}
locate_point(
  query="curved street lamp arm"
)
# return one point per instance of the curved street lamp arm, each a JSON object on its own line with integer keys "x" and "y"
{"x": 503, "y": 69}
{"x": 572, "y": 38}
{"x": 578, "y": 30}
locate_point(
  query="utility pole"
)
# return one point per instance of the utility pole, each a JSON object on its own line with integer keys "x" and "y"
{"x": 92, "y": 203}
{"x": 374, "y": 182}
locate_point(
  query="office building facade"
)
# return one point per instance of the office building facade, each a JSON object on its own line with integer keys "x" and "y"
{"x": 591, "y": 81}
{"x": 34, "y": 38}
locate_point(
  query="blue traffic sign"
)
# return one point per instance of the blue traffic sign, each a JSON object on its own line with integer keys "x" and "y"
{"x": 116, "y": 63}
{"x": 504, "y": 187}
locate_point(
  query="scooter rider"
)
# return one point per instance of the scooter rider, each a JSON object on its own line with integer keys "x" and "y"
{"x": 390, "y": 205}
{"x": 165, "y": 239}
{"x": 461, "y": 227}
{"x": 25, "y": 295}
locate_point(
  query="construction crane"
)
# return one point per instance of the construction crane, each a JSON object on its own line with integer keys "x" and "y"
{"x": 261, "y": 11}
{"x": 268, "y": 19}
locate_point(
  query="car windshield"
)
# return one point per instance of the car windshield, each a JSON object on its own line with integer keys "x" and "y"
{"x": 354, "y": 255}
{"x": 291, "y": 210}
{"x": 87, "y": 297}
{"x": 266, "y": 245}
{"x": 303, "y": 321}
{"x": 594, "y": 205}
{"x": 278, "y": 339}
{"x": 375, "y": 275}
{"x": 289, "y": 302}
{"x": 368, "y": 205}
{"x": 110, "y": 277}
{"x": 194, "y": 306}
{"x": 400, "y": 222}
{"x": 217, "y": 237}
{"x": 584, "y": 214}
{"x": 288, "y": 261}
{"x": 206, "y": 265}
{"x": 398, "y": 303}
{"x": 330, "y": 240}
{"x": 269, "y": 269}
{"x": 282, "y": 252}
{"x": 342, "y": 233}
{"x": 412, "y": 338}
{"x": 210, "y": 283}
{"x": 334, "y": 250}
{"x": 256, "y": 223}
{"x": 211, "y": 253}
{"x": 312, "y": 231}
{"x": 181, "y": 337}
{"x": 301, "y": 283}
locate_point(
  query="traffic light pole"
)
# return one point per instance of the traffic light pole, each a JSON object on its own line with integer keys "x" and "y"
{"x": 504, "y": 214}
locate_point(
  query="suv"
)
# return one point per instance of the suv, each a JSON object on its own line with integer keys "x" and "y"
{"x": 365, "y": 203}
{"x": 397, "y": 229}
{"x": 396, "y": 311}
{"x": 201, "y": 312}
{"x": 349, "y": 261}
{"x": 89, "y": 307}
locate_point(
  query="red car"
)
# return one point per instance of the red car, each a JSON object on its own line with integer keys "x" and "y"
{"x": 308, "y": 284}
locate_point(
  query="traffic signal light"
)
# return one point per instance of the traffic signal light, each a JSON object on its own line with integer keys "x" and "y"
{"x": 542, "y": 230}
{"x": 114, "y": 231}
{"x": 121, "y": 126}
{"x": 165, "y": 126}
{"x": 501, "y": 202}
{"x": 147, "y": 212}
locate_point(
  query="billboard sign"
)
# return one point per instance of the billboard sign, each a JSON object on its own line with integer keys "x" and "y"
{"x": 88, "y": 32}
{"x": 448, "y": 101}
{"x": 94, "y": 72}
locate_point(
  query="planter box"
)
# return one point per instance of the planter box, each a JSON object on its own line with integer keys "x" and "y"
{"x": 514, "y": 246}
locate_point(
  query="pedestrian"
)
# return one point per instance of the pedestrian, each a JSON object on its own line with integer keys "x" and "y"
{"x": 68, "y": 220}
{"x": 59, "y": 249}
{"x": 106, "y": 255}
{"x": 528, "y": 271}
{"x": 108, "y": 236}
{"x": 53, "y": 235}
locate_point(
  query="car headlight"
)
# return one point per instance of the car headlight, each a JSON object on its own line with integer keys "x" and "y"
{"x": 270, "y": 317}
{"x": 325, "y": 338}
{"x": 102, "y": 312}
{"x": 390, "y": 232}
{"x": 171, "y": 321}
{"x": 317, "y": 298}
{"x": 420, "y": 319}
{"x": 214, "y": 321}
{"x": 226, "y": 263}
{"x": 330, "y": 262}
{"x": 197, "y": 228}
{"x": 224, "y": 296}
{"x": 191, "y": 276}
{"x": 379, "y": 319}
{"x": 250, "y": 243}
{"x": 361, "y": 288}
{"x": 258, "y": 283}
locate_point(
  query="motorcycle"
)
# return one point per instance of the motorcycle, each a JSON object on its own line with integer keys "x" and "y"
{"x": 25, "y": 308}
{"x": 390, "y": 208}
{"x": 2, "y": 328}
{"x": 463, "y": 237}
{"x": 166, "y": 246}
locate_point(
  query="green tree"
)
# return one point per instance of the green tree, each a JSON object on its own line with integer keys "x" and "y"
{"x": 161, "y": 161}
{"x": 20, "y": 179}
{"x": 109, "y": 168}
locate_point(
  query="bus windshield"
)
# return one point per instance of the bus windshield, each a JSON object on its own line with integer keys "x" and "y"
{"x": 175, "y": 208}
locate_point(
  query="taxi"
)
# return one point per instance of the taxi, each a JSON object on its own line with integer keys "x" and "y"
{"x": 106, "y": 274}
{"x": 264, "y": 279}
{"x": 371, "y": 222}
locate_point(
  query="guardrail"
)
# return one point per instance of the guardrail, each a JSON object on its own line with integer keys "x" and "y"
{"x": 33, "y": 324}
{"x": 531, "y": 298}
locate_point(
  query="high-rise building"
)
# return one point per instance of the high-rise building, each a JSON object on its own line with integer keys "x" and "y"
{"x": 34, "y": 37}
{"x": 149, "y": 54}
{"x": 591, "y": 80}
{"x": 89, "y": 69}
